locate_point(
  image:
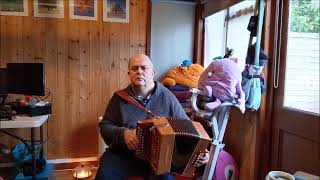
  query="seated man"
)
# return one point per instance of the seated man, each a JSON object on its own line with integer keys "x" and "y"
{"x": 118, "y": 126}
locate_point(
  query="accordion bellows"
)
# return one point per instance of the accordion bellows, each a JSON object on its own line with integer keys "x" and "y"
{"x": 171, "y": 145}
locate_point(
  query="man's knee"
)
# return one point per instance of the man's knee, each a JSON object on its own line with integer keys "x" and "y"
{"x": 114, "y": 166}
{"x": 168, "y": 176}
{"x": 110, "y": 167}
{"x": 109, "y": 174}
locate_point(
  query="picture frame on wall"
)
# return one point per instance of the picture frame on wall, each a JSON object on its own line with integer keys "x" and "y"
{"x": 49, "y": 8}
{"x": 83, "y": 9}
{"x": 116, "y": 10}
{"x": 14, "y": 7}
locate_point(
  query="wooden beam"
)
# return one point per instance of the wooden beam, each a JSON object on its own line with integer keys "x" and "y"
{"x": 211, "y": 7}
{"x": 198, "y": 48}
{"x": 148, "y": 30}
{"x": 265, "y": 127}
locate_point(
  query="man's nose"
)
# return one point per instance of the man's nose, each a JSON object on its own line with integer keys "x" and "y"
{"x": 139, "y": 70}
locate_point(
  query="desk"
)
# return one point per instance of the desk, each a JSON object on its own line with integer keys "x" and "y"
{"x": 26, "y": 122}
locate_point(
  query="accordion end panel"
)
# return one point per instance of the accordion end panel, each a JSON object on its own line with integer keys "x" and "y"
{"x": 203, "y": 143}
{"x": 164, "y": 142}
{"x": 159, "y": 135}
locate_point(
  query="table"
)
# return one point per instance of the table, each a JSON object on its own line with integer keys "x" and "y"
{"x": 26, "y": 122}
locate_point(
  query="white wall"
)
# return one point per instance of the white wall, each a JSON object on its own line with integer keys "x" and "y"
{"x": 172, "y": 29}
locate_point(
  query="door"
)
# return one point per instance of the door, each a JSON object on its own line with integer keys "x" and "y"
{"x": 296, "y": 123}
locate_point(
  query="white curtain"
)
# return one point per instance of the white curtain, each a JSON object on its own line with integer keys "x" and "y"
{"x": 214, "y": 44}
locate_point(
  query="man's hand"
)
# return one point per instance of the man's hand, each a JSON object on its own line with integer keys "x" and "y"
{"x": 202, "y": 159}
{"x": 131, "y": 139}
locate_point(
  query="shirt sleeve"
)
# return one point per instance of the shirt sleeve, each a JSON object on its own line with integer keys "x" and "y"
{"x": 111, "y": 126}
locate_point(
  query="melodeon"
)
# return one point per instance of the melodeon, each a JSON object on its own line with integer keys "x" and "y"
{"x": 171, "y": 145}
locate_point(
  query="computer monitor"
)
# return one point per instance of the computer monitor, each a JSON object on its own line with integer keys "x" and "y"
{"x": 3, "y": 81}
{"x": 26, "y": 78}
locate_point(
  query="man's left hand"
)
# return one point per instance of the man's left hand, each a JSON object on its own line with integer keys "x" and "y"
{"x": 202, "y": 159}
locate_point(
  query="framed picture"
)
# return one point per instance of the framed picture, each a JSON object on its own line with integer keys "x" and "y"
{"x": 14, "y": 7}
{"x": 83, "y": 9}
{"x": 49, "y": 8}
{"x": 116, "y": 10}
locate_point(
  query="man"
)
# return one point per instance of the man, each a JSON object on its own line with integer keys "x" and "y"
{"x": 118, "y": 126}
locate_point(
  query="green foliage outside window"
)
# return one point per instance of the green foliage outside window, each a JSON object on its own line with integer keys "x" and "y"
{"x": 305, "y": 16}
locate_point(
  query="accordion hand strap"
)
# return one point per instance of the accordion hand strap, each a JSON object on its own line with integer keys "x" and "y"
{"x": 125, "y": 96}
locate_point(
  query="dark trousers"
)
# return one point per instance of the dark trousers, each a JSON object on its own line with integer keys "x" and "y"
{"x": 120, "y": 167}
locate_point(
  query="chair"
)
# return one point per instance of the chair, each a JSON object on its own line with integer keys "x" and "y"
{"x": 102, "y": 145}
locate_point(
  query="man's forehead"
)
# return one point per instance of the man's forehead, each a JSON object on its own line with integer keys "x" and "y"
{"x": 141, "y": 62}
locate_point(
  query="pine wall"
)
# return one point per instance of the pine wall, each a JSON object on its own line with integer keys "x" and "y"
{"x": 86, "y": 61}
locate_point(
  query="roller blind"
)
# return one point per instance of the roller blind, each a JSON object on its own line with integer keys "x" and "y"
{"x": 214, "y": 6}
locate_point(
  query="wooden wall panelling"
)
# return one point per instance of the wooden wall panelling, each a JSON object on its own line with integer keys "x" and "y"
{"x": 94, "y": 80}
{"x": 28, "y": 25}
{"x": 60, "y": 106}
{"x": 73, "y": 87}
{"x": 18, "y": 45}
{"x": 124, "y": 54}
{"x": 9, "y": 45}
{"x": 50, "y": 59}
{"x": 115, "y": 56}
{"x": 148, "y": 28}
{"x": 87, "y": 127}
{"x": 13, "y": 37}
{"x": 134, "y": 27}
{"x": 100, "y": 66}
{"x": 38, "y": 41}
{"x": 5, "y": 39}
{"x": 105, "y": 69}
{"x": 86, "y": 61}
{"x": 82, "y": 129}
{"x": 142, "y": 25}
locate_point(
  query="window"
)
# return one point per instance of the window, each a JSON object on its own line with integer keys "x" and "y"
{"x": 302, "y": 67}
{"x": 228, "y": 28}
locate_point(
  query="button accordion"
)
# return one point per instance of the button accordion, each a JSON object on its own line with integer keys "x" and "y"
{"x": 171, "y": 144}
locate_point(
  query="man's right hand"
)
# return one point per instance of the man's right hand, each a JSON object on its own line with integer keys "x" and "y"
{"x": 130, "y": 138}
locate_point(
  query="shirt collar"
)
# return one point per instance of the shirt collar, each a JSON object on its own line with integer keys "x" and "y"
{"x": 140, "y": 99}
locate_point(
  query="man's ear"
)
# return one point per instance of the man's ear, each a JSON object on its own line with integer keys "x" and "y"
{"x": 128, "y": 72}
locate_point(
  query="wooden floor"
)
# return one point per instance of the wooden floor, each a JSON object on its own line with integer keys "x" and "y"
{"x": 67, "y": 175}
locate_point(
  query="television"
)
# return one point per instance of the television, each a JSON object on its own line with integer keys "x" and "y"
{"x": 26, "y": 78}
{"x": 3, "y": 81}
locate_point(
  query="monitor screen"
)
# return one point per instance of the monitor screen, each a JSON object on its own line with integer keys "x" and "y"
{"x": 26, "y": 78}
{"x": 3, "y": 81}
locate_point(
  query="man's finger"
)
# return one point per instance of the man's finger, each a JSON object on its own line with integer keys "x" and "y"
{"x": 131, "y": 146}
{"x": 134, "y": 143}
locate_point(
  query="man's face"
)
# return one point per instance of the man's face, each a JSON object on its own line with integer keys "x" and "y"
{"x": 141, "y": 72}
